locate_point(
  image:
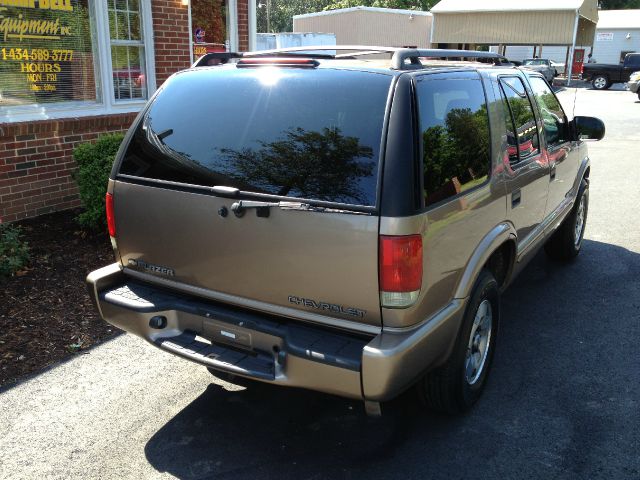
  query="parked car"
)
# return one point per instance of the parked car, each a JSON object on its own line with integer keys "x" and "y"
{"x": 541, "y": 65}
{"x": 602, "y": 76}
{"x": 634, "y": 83}
{"x": 560, "y": 68}
{"x": 346, "y": 226}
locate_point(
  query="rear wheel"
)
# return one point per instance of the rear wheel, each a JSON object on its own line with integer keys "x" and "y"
{"x": 457, "y": 385}
{"x": 638, "y": 94}
{"x": 565, "y": 244}
{"x": 600, "y": 82}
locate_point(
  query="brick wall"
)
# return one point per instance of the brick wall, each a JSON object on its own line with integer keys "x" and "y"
{"x": 171, "y": 37}
{"x": 36, "y": 162}
{"x": 243, "y": 25}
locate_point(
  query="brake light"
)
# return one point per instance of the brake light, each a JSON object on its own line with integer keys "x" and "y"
{"x": 400, "y": 270}
{"x": 111, "y": 219}
{"x": 278, "y": 62}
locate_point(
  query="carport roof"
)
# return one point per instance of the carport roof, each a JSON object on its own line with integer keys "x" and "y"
{"x": 463, "y": 6}
{"x": 509, "y": 22}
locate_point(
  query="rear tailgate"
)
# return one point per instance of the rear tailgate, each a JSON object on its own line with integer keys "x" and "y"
{"x": 305, "y": 141}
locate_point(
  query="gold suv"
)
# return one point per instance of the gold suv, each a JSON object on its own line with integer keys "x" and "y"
{"x": 341, "y": 223}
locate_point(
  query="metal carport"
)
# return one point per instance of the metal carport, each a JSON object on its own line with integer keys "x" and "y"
{"x": 465, "y": 23}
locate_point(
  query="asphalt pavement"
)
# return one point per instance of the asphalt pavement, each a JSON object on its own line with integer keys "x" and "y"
{"x": 563, "y": 400}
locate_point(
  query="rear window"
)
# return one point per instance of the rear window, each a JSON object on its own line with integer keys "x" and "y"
{"x": 287, "y": 132}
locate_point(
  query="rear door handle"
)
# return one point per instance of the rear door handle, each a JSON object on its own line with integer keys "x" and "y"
{"x": 516, "y": 197}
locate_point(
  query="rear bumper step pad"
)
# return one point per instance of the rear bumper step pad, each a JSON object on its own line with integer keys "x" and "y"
{"x": 215, "y": 356}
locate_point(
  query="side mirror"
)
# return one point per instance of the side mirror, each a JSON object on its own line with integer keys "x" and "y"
{"x": 588, "y": 128}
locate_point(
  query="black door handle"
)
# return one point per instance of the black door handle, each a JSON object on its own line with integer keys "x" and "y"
{"x": 516, "y": 197}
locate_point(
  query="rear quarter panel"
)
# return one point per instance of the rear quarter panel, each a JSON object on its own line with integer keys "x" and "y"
{"x": 451, "y": 232}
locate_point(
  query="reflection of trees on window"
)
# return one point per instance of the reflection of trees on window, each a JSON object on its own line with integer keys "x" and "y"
{"x": 525, "y": 124}
{"x": 456, "y": 154}
{"x": 320, "y": 165}
{"x": 553, "y": 117}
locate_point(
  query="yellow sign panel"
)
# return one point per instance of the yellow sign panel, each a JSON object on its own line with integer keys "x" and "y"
{"x": 38, "y": 49}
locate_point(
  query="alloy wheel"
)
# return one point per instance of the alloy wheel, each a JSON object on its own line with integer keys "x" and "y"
{"x": 479, "y": 342}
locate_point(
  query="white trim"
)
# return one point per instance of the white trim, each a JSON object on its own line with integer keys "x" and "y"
{"x": 149, "y": 47}
{"x": 253, "y": 25}
{"x": 232, "y": 28}
{"x": 338, "y": 11}
{"x": 105, "y": 103}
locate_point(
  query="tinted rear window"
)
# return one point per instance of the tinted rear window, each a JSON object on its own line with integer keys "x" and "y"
{"x": 311, "y": 134}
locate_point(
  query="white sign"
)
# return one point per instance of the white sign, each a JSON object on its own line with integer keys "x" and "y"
{"x": 604, "y": 37}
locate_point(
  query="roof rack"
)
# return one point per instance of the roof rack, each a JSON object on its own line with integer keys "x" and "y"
{"x": 216, "y": 58}
{"x": 398, "y": 60}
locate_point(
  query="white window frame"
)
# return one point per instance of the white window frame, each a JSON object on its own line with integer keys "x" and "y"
{"x": 105, "y": 104}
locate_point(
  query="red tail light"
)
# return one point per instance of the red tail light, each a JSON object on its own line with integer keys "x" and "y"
{"x": 111, "y": 219}
{"x": 400, "y": 270}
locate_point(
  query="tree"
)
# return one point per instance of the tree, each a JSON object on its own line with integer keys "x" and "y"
{"x": 400, "y": 4}
{"x": 619, "y": 4}
{"x": 281, "y": 12}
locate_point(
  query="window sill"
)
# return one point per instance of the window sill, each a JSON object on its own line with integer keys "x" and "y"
{"x": 16, "y": 114}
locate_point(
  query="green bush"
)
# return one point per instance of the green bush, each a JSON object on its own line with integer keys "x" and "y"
{"x": 94, "y": 162}
{"x": 14, "y": 252}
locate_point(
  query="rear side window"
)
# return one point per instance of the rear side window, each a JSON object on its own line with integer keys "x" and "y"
{"x": 454, "y": 126}
{"x": 553, "y": 117}
{"x": 522, "y": 133}
{"x": 287, "y": 132}
{"x": 633, "y": 61}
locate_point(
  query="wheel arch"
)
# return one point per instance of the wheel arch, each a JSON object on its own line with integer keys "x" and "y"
{"x": 496, "y": 252}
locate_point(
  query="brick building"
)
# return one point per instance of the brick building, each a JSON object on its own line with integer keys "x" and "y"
{"x": 71, "y": 70}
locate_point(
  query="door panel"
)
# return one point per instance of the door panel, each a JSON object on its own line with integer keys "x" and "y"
{"x": 526, "y": 166}
{"x": 562, "y": 154}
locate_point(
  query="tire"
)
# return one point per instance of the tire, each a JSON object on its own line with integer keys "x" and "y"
{"x": 456, "y": 386}
{"x": 600, "y": 82}
{"x": 565, "y": 244}
{"x": 638, "y": 94}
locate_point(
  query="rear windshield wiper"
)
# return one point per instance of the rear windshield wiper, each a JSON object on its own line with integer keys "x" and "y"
{"x": 263, "y": 208}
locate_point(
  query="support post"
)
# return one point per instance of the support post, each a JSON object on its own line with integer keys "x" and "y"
{"x": 573, "y": 48}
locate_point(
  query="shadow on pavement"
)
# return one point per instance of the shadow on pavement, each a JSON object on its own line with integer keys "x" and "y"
{"x": 268, "y": 432}
{"x": 561, "y": 400}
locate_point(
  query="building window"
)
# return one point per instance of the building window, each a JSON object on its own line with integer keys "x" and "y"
{"x": 127, "y": 50}
{"x": 47, "y": 55}
{"x": 209, "y": 20}
{"x": 74, "y": 58}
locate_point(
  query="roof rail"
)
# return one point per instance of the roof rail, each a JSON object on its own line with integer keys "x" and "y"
{"x": 311, "y": 51}
{"x": 216, "y": 58}
{"x": 398, "y": 60}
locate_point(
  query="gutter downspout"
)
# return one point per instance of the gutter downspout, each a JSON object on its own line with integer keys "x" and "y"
{"x": 573, "y": 48}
